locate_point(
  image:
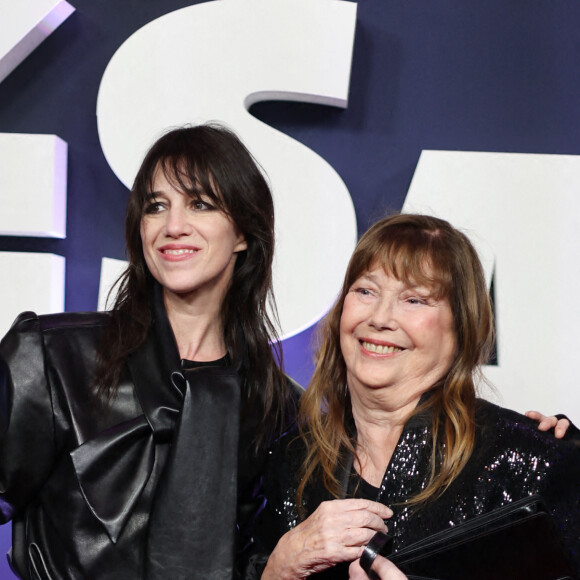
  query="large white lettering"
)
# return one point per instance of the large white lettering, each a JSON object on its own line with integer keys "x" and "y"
{"x": 24, "y": 25}
{"x": 33, "y": 204}
{"x": 211, "y": 61}
{"x": 523, "y": 214}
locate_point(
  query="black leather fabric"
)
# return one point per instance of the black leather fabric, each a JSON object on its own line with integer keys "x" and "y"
{"x": 79, "y": 483}
{"x": 195, "y": 503}
{"x": 372, "y": 550}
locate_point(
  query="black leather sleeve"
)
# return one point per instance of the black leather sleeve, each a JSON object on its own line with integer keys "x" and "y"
{"x": 27, "y": 448}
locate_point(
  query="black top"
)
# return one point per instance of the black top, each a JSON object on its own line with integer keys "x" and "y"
{"x": 187, "y": 364}
{"x": 361, "y": 488}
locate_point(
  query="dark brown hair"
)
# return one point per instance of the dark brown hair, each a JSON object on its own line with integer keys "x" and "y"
{"x": 427, "y": 251}
{"x": 210, "y": 159}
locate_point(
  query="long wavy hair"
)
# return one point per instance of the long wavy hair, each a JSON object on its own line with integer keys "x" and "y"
{"x": 208, "y": 159}
{"x": 421, "y": 250}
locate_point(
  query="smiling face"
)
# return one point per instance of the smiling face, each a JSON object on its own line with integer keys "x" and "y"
{"x": 394, "y": 336}
{"x": 189, "y": 245}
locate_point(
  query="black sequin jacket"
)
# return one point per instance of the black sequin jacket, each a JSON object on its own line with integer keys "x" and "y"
{"x": 511, "y": 460}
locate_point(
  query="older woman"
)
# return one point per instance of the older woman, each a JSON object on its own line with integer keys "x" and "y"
{"x": 391, "y": 421}
{"x": 131, "y": 442}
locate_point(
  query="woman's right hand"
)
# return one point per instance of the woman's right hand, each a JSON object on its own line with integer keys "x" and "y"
{"x": 336, "y": 532}
{"x": 383, "y": 569}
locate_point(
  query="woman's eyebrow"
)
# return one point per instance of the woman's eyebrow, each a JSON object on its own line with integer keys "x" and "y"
{"x": 421, "y": 288}
{"x": 368, "y": 276}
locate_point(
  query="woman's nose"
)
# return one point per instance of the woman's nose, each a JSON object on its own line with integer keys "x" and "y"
{"x": 177, "y": 223}
{"x": 384, "y": 315}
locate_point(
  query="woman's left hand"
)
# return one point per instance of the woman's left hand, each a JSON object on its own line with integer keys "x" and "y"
{"x": 545, "y": 423}
{"x": 383, "y": 568}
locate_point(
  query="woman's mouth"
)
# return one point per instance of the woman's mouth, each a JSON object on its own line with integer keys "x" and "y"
{"x": 178, "y": 252}
{"x": 380, "y": 348}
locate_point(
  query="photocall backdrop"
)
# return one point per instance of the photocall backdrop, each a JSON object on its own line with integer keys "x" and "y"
{"x": 469, "y": 111}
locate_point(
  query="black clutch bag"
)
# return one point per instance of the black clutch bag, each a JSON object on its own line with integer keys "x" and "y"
{"x": 517, "y": 541}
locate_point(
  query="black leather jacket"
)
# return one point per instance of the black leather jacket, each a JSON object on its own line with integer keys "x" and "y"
{"x": 78, "y": 482}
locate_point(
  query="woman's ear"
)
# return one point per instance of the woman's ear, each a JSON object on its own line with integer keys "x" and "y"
{"x": 241, "y": 244}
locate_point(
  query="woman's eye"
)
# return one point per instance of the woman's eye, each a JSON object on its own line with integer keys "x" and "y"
{"x": 200, "y": 205}
{"x": 363, "y": 291}
{"x": 153, "y": 207}
{"x": 416, "y": 300}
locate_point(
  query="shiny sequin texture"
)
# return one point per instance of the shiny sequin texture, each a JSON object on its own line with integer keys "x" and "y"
{"x": 511, "y": 460}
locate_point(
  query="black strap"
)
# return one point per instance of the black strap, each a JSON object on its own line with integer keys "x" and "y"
{"x": 378, "y": 544}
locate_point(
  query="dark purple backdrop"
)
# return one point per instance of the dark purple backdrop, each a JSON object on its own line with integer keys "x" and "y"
{"x": 493, "y": 75}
